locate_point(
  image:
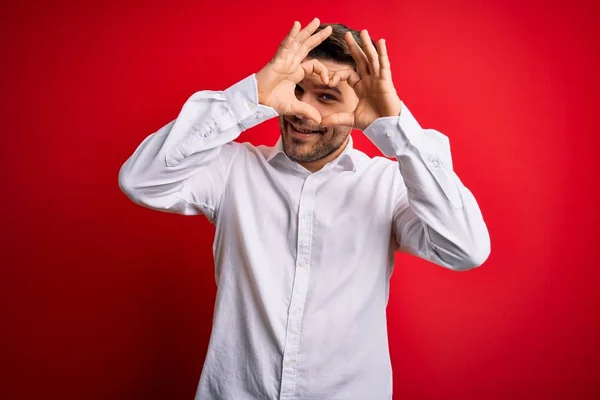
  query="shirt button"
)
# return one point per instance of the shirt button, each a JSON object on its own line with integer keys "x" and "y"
{"x": 389, "y": 134}
{"x": 289, "y": 363}
{"x": 251, "y": 105}
{"x": 435, "y": 164}
{"x": 304, "y": 215}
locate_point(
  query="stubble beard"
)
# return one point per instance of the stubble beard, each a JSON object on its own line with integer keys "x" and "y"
{"x": 294, "y": 148}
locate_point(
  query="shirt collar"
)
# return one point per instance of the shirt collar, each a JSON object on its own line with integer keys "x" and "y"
{"x": 347, "y": 159}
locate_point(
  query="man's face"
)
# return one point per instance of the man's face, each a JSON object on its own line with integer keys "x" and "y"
{"x": 303, "y": 141}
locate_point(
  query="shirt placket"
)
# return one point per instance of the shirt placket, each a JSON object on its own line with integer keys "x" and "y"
{"x": 299, "y": 288}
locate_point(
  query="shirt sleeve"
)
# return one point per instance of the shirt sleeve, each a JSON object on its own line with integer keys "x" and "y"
{"x": 183, "y": 167}
{"x": 436, "y": 217}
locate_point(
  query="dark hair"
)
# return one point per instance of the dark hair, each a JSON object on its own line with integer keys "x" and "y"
{"x": 334, "y": 48}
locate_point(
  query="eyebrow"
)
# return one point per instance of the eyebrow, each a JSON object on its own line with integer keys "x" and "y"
{"x": 327, "y": 87}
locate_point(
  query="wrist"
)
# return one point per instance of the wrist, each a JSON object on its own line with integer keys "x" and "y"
{"x": 394, "y": 109}
{"x": 262, "y": 87}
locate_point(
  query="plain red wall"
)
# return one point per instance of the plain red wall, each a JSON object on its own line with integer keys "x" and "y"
{"x": 102, "y": 299}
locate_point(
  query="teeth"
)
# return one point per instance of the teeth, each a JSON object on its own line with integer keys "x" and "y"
{"x": 304, "y": 131}
{"x": 307, "y": 131}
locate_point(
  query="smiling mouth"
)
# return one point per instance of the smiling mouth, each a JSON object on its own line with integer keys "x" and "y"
{"x": 302, "y": 131}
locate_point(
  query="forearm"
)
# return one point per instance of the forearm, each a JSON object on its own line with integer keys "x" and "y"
{"x": 449, "y": 229}
{"x": 184, "y": 147}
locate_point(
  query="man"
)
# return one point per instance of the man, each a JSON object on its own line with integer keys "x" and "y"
{"x": 306, "y": 230}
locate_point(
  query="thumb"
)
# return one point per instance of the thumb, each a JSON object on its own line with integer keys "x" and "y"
{"x": 339, "y": 119}
{"x": 305, "y": 110}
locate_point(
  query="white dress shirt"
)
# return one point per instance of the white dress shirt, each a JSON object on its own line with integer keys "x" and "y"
{"x": 303, "y": 260}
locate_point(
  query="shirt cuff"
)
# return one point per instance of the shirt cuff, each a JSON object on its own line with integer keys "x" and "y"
{"x": 242, "y": 97}
{"x": 393, "y": 134}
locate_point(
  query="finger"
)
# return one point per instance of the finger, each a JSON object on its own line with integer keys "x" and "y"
{"x": 384, "y": 61}
{"x": 315, "y": 67}
{"x": 291, "y": 36}
{"x": 338, "y": 119}
{"x": 348, "y": 75}
{"x": 359, "y": 56}
{"x": 370, "y": 52}
{"x": 288, "y": 41}
{"x": 304, "y": 109}
{"x": 308, "y": 30}
{"x": 314, "y": 41}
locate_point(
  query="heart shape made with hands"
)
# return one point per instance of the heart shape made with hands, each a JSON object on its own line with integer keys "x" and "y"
{"x": 372, "y": 80}
{"x": 373, "y": 85}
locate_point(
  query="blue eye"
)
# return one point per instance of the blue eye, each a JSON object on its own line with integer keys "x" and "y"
{"x": 328, "y": 97}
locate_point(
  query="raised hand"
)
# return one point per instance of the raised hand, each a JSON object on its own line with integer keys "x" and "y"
{"x": 373, "y": 85}
{"x": 277, "y": 80}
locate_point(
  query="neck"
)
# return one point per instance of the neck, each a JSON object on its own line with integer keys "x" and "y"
{"x": 315, "y": 166}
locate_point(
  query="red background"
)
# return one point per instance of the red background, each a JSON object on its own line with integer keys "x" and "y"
{"x": 103, "y": 299}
